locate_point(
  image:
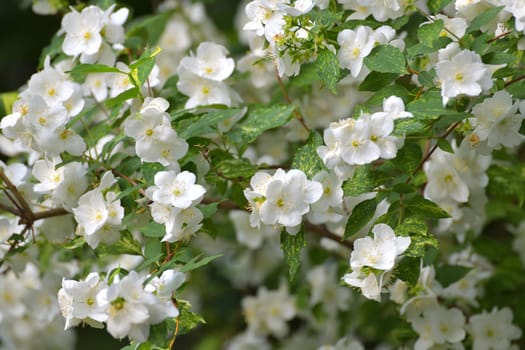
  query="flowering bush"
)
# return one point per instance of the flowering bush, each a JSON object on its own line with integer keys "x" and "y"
{"x": 355, "y": 176}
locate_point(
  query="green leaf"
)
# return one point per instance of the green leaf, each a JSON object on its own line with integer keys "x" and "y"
{"x": 7, "y": 100}
{"x": 79, "y": 72}
{"x": 291, "y": 245}
{"x": 123, "y": 97}
{"x": 125, "y": 245}
{"x": 386, "y": 59}
{"x": 259, "y": 119}
{"x": 409, "y": 126}
{"x": 153, "y": 248}
{"x": 430, "y": 32}
{"x": 427, "y": 106}
{"x": 195, "y": 263}
{"x": 448, "y": 274}
{"x": 206, "y": 123}
{"x": 187, "y": 319}
{"x": 326, "y": 17}
{"x": 425, "y": 208}
{"x": 307, "y": 76}
{"x": 437, "y": 5}
{"x": 149, "y": 170}
{"x": 306, "y": 158}
{"x": 420, "y": 239}
{"x": 327, "y": 66}
{"x": 408, "y": 158}
{"x": 146, "y": 30}
{"x": 375, "y": 81}
{"x": 361, "y": 215}
{"x": 484, "y": 18}
{"x": 365, "y": 179}
{"x": 153, "y": 229}
{"x": 444, "y": 145}
{"x": 235, "y": 168}
{"x": 408, "y": 270}
{"x": 390, "y": 90}
{"x": 140, "y": 69}
{"x": 208, "y": 210}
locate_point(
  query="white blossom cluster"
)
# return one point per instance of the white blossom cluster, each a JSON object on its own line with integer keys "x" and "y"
{"x": 174, "y": 198}
{"x": 29, "y": 315}
{"x": 461, "y": 72}
{"x": 352, "y": 142}
{"x": 281, "y": 199}
{"x": 126, "y": 305}
{"x": 201, "y": 77}
{"x": 155, "y": 139}
{"x": 268, "y": 311}
{"x": 439, "y": 325}
{"x": 99, "y": 214}
{"x": 373, "y": 258}
{"x": 356, "y": 44}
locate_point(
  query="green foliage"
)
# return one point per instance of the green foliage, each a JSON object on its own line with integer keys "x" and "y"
{"x": 386, "y": 59}
{"x": 306, "y": 158}
{"x": 140, "y": 69}
{"x": 204, "y": 124}
{"x": 292, "y": 245}
{"x": 425, "y": 209}
{"x": 327, "y": 66}
{"x": 483, "y": 19}
{"x": 360, "y": 216}
{"x": 438, "y": 5}
{"x": 429, "y": 33}
{"x": 365, "y": 179}
{"x": 80, "y": 72}
{"x": 449, "y": 274}
{"x": 259, "y": 119}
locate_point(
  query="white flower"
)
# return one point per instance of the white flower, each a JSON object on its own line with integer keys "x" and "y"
{"x": 381, "y": 251}
{"x": 463, "y": 73}
{"x": 178, "y": 190}
{"x": 126, "y": 305}
{"x": 92, "y": 212}
{"x": 444, "y": 181}
{"x": 286, "y": 198}
{"x": 202, "y": 91}
{"x": 49, "y": 177}
{"x": 83, "y": 31}
{"x": 210, "y": 63}
{"x": 497, "y": 121}
{"x": 268, "y": 312}
{"x": 439, "y": 325}
{"x": 494, "y": 330}
{"x": 78, "y": 300}
{"x": 354, "y": 46}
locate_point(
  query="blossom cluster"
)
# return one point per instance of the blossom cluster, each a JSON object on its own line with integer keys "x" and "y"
{"x": 126, "y": 305}
{"x": 351, "y": 142}
{"x": 282, "y": 198}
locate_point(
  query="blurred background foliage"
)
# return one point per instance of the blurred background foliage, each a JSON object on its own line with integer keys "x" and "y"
{"x": 24, "y": 34}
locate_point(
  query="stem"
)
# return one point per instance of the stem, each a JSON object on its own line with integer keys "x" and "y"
{"x": 297, "y": 115}
{"x": 429, "y": 154}
{"x": 19, "y": 198}
{"x": 515, "y": 80}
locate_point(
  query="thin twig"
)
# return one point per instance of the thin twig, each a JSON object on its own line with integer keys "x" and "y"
{"x": 12, "y": 188}
{"x": 429, "y": 154}
{"x": 296, "y": 114}
{"x": 515, "y": 80}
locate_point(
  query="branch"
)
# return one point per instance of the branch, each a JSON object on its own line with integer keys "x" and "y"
{"x": 19, "y": 198}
